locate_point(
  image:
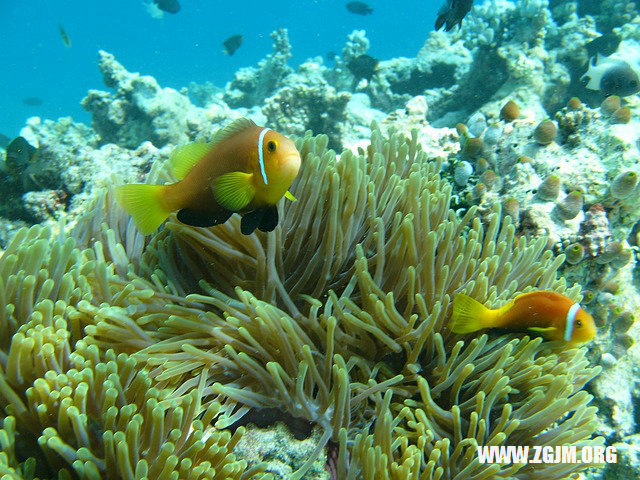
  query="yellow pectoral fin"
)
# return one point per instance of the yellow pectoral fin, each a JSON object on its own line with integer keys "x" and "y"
{"x": 234, "y": 190}
{"x": 290, "y": 196}
{"x": 542, "y": 329}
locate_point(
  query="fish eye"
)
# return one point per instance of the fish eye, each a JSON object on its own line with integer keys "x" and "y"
{"x": 579, "y": 323}
{"x": 272, "y": 145}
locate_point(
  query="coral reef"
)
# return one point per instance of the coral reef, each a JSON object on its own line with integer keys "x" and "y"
{"x": 140, "y": 110}
{"x": 308, "y": 102}
{"x": 252, "y": 85}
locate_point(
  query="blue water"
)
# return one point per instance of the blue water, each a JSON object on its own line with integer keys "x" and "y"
{"x": 177, "y": 49}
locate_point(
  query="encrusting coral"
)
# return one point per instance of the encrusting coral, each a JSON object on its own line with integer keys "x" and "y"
{"x": 129, "y": 359}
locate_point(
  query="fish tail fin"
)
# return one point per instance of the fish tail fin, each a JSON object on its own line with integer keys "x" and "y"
{"x": 469, "y": 315}
{"x": 145, "y": 204}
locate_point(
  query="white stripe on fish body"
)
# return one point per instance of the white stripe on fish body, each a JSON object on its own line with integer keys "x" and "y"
{"x": 570, "y": 321}
{"x": 261, "y": 154}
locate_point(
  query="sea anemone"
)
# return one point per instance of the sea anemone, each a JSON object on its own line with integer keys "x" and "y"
{"x": 624, "y": 184}
{"x": 127, "y": 357}
{"x": 574, "y": 253}
{"x": 481, "y": 164}
{"x": 610, "y": 251}
{"x": 489, "y": 178}
{"x": 622, "y": 258}
{"x": 610, "y": 104}
{"x": 550, "y": 187}
{"x": 626, "y": 341}
{"x": 510, "y": 111}
{"x": 570, "y": 206}
{"x": 623, "y": 322}
{"x": 622, "y": 115}
{"x": 472, "y": 147}
{"x": 574, "y": 103}
{"x": 545, "y": 133}
{"x": 479, "y": 191}
{"x": 511, "y": 207}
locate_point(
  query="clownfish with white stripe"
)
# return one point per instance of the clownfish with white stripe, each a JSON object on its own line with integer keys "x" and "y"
{"x": 550, "y": 314}
{"x": 245, "y": 169}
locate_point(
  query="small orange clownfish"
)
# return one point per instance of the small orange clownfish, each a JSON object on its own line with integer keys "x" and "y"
{"x": 245, "y": 169}
{"x": 551, "y": 314}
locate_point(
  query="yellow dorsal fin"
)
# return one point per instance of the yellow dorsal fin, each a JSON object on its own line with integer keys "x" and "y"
{"x": 185, "y": 157}
{"x": 290, "y": 196}
{"x": 234, "y": 190}
{"x": 232, "y": 129}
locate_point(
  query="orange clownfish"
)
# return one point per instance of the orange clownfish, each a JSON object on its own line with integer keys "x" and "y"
{"x": 245, "y": 169}
{"x": 551, "y": 314}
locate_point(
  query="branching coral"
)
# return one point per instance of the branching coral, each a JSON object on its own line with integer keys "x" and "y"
{"x": 127, "y": 351}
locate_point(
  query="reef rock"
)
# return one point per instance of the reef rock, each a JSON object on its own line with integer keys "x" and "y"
{"x": 252, "y": 85}
{"x": 139, "y": 109}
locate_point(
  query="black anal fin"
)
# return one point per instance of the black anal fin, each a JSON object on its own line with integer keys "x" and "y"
{"x": 202, "y": 218}
{"x": 251, "y": 220}
{"x": 269, "y": 220}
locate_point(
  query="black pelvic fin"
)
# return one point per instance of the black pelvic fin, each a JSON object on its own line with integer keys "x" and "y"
{"x": 269, "y": 219}
{"x": 200, "y": 218}
{"x": 250, "y": 221}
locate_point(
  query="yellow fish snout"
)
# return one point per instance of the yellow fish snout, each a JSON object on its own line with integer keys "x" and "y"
{"x": 290, "y": 165}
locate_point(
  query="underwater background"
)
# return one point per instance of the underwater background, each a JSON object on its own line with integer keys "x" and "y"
{"x": 318, "y": 240}
{"x": 176, "y": 49}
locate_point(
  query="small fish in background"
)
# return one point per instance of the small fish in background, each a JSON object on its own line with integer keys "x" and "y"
{"x": 156, "y": 8}
{"x": 4, "y": 140}
{"x": 64, "y": 36}
{"x": 32, "y": 101}
{"x": 363, "y": 66}
{"x": 551, "y": 314}
{"x": 612, "y": 77}
{"x": 21, "y": 161}
{"x": 232, "y": 44}
{"x": 169, "y": 6}
{"x": 245, "y": 169}
{"x": 452, "y": 13}
{"x": 359, "y": 8}
{"x": 20, "y": 154}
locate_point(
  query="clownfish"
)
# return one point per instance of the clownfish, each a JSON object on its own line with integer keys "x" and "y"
{"x": 551, "y": 314}
{"x": 245, "y": 169}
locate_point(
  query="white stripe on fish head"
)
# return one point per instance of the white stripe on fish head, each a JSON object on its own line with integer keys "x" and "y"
{"x": 261, "y": 154}
{"x": 570, "y": 321}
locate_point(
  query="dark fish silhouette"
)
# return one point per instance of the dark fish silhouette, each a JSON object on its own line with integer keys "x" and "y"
{"x": 169, "y": 6}
{"x": 232, "y": 44}
{"x": 20, "y": 154}
{"x": 65, "y": 38}
{"x": 363, "y": 66}
{"x": 32, "y": 101}
{"x": 359, "y": 8}
{"x": 331, "y": 56}
{"x": 452, "y": 13}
